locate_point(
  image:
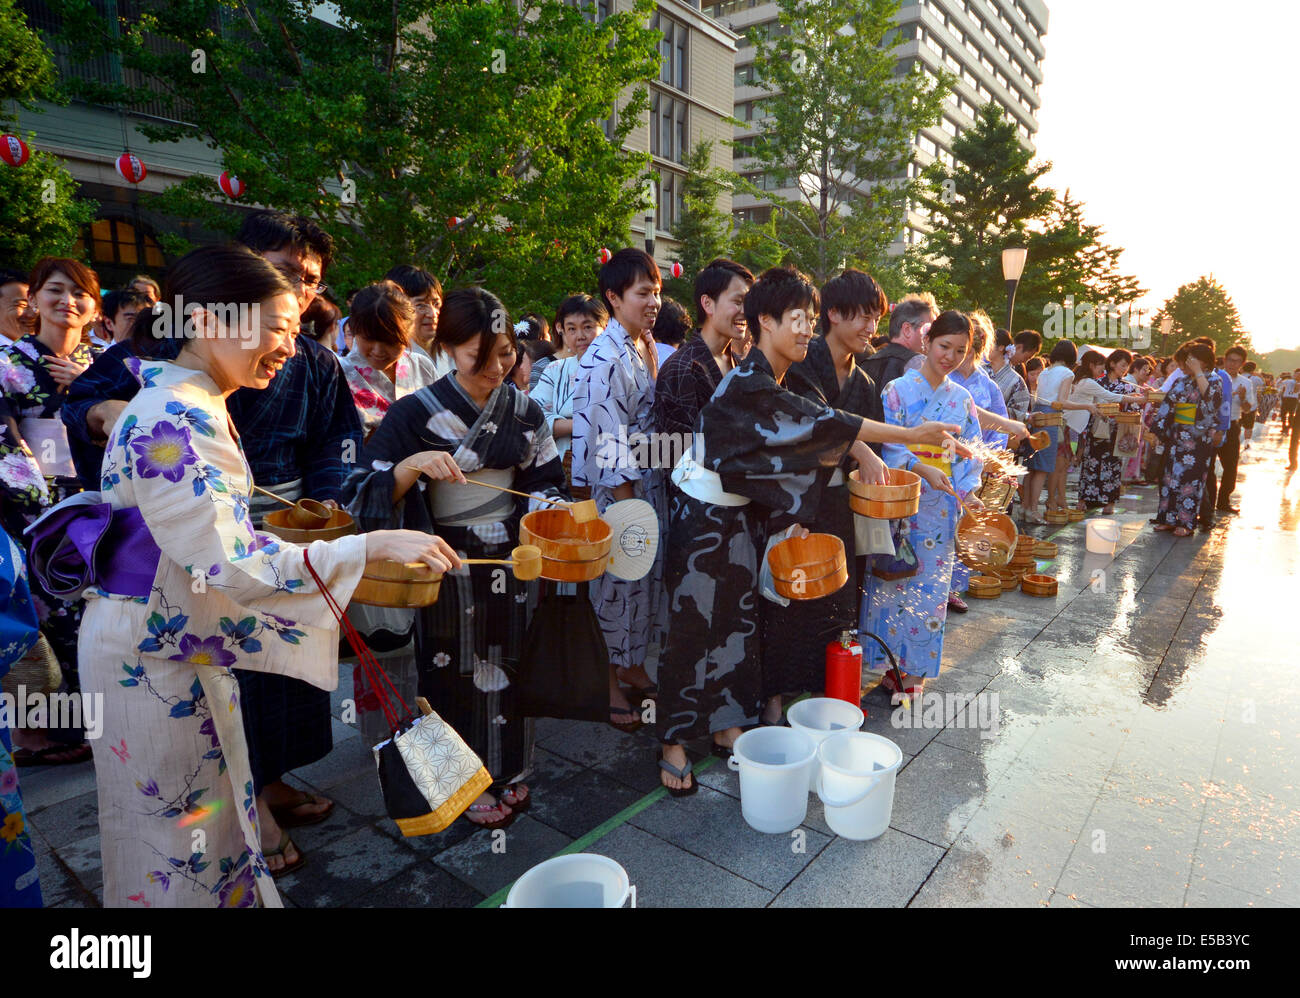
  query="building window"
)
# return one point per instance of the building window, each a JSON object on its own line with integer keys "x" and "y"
{"x": 668, "y": 205}
{"x": 668, "y": 127}
{"x": 594, "y": 11}
{"x": 672, "y": 50}
{"x": 113, "y": 240}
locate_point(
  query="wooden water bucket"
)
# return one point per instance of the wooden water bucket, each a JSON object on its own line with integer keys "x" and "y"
{"x": 1108, "y": 409}
{"x": 808, "y": 567}
{"x": 901, "y": 497}
{"x": 1045, "y": 550}
{"x": 571, "y": 551}
{"x": 1038, "y": 585}
{"x": 1075, "y": 515}
{"x": 984, "y": 587}
{"x": 1128, "y": 418}
{"x": 1155, "y": 398}
{"x": 405, "y": 585}
{"x": 1009, "y": 577}
{"x": 1057, "y": 516}
{"x": 340, "y": 524}
{"x": 977, "y": 534}
{"x": 1047, "y": 418}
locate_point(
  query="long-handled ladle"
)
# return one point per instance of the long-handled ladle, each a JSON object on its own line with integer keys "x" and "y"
{"x": 583, "y": 512}
{"x": 307, "y": 514}
{"x": 525, "y": 560}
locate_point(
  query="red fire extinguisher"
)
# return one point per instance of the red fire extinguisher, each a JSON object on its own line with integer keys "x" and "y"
{"x": 844, "y": 669}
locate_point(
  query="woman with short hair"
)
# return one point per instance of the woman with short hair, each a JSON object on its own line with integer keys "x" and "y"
{"x": 381, "y": 367}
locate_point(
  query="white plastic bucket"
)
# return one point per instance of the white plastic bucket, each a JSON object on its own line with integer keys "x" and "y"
{"x": 581, "y": 880}
{"x": 773, "y": 764}
{"x": 821, "y": 717}
{"x": 1102, "y": 535}
{"x": 857, "y": 783}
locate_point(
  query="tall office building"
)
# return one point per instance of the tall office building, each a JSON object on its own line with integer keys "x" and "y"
{"x": 993, "y": 47}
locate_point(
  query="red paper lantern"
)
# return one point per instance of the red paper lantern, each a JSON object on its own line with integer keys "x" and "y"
{"x": 130, "y": 168}
{"x": 454, "y": 221}
{"x": 13, "y": 150}
{"x": 231, "y": 186}
{"x": 604, "y": 256}
{"x": 677, "y": 269}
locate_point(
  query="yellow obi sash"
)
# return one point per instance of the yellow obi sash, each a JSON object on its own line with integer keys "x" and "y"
{"x": 1185, "y": 413}
{"x": 936, "y": 457}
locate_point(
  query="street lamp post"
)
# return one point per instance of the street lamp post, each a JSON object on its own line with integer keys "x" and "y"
{"x": 1013, "y": 265}
{"x": 1166, "y": 327}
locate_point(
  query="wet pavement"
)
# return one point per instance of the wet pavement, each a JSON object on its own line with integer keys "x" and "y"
{"x": 1145, "y": 754}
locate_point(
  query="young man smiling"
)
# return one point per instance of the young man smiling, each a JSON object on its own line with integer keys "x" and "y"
{"x": 690, "y": 376}
{"x": 612, "y": 403}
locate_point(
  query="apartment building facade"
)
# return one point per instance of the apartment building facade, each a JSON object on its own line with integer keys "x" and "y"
{"x": 994, "y": 48}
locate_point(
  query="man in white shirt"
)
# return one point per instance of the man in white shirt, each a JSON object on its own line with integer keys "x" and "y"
{"x": 1287, "y": 389}
{"x": 1243, "y": 401}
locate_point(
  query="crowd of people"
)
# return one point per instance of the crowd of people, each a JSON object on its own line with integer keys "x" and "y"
{"x": 214, "y": 654}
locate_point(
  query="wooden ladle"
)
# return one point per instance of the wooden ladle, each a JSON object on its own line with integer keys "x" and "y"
{"x": 525, "y": 560}
{"x": 1039, "y": 440}
{"x": 583, "y": 512}
{"x": 305, "y": 514}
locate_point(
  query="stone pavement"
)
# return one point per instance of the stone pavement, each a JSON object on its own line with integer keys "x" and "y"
{"x": 1146, "y": 755}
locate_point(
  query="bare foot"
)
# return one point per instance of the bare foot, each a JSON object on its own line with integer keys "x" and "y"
{"x": 636, "y": 677}
{"x": 491, "y": 811}
{"x": 726, "y": 738}
{"x": 281, "y": 796}
{"x": 772, "y": 712}
{"x": 674, "y": 755}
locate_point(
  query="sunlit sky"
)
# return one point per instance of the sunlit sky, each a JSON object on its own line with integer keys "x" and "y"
{"x": 1173, "y": 120}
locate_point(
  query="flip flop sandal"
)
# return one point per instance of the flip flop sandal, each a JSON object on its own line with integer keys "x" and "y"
{"x": 41, "y": 757}
{"x": 519, "y": 803}
{"x": 285, "y": 843}
{"x": 627, "y": 727}
{"x": 287, "y": 816}
{"x": 504, "y": 822}
{"x": 681, "y": 774}
{"x": 723, "y": 751}
{"x": 650, "y": 692}
{"x": 955, "y": 602}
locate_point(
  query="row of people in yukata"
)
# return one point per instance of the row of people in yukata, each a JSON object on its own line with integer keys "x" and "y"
{"x": 289, "y": 412}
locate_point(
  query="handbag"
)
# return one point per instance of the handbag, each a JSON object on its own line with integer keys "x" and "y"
{"x": 564, "y": 668}
{"x": 37, "y": 671}
{"x": 902, "y": 564}
{"x": 427, "y": 774}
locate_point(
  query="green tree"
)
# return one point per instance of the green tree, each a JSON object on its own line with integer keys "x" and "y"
{"x": 1068, "y": 263}
{"x": 839, "y": 125}
{"x": 410, "y": 115}
{"x": 1203, "y": 308}
{"x": 39, "y": 212}
{"x": 982, "y": 205}
{"x": 703, "y": 229}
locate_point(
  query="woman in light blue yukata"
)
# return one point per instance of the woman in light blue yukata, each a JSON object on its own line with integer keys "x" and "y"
{"x": 908, "y": 614}
{"x": 988, "y": 396}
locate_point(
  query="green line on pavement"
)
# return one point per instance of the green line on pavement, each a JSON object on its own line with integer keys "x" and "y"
{"x": 603, "y": 829}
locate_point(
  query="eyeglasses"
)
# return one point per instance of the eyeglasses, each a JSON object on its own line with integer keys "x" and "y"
{"x": 300, "y": 279}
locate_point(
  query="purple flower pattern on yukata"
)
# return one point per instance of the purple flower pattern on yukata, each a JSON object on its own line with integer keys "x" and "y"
{"x": 166, "y": 452}
{"x": 204, "y": 651}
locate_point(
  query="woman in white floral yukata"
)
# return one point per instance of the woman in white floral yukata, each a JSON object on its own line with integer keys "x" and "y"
{"x": 177, "y": 818}
{"x": 381, "y": 367}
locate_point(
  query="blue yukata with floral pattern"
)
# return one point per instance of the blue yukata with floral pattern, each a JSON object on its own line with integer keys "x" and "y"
{"x": 177, "y": 818}
{"x": 909, "y": 614}
{"x": 19, "y": 885}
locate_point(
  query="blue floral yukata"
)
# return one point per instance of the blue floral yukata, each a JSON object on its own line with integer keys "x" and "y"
{"x": 909, "y": 614}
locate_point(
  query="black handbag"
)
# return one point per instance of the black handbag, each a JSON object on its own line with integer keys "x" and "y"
{"x": 564, "y": 668}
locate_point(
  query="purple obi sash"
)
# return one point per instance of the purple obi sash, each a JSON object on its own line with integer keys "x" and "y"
{"x": 82, "y": 542}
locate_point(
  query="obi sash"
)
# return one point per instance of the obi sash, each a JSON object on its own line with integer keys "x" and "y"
{"x": 935, "y": 457}
{"x": 1185, "y": 413}
{"x": 84, "y": 541}
{"x": 700, "y": 483}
